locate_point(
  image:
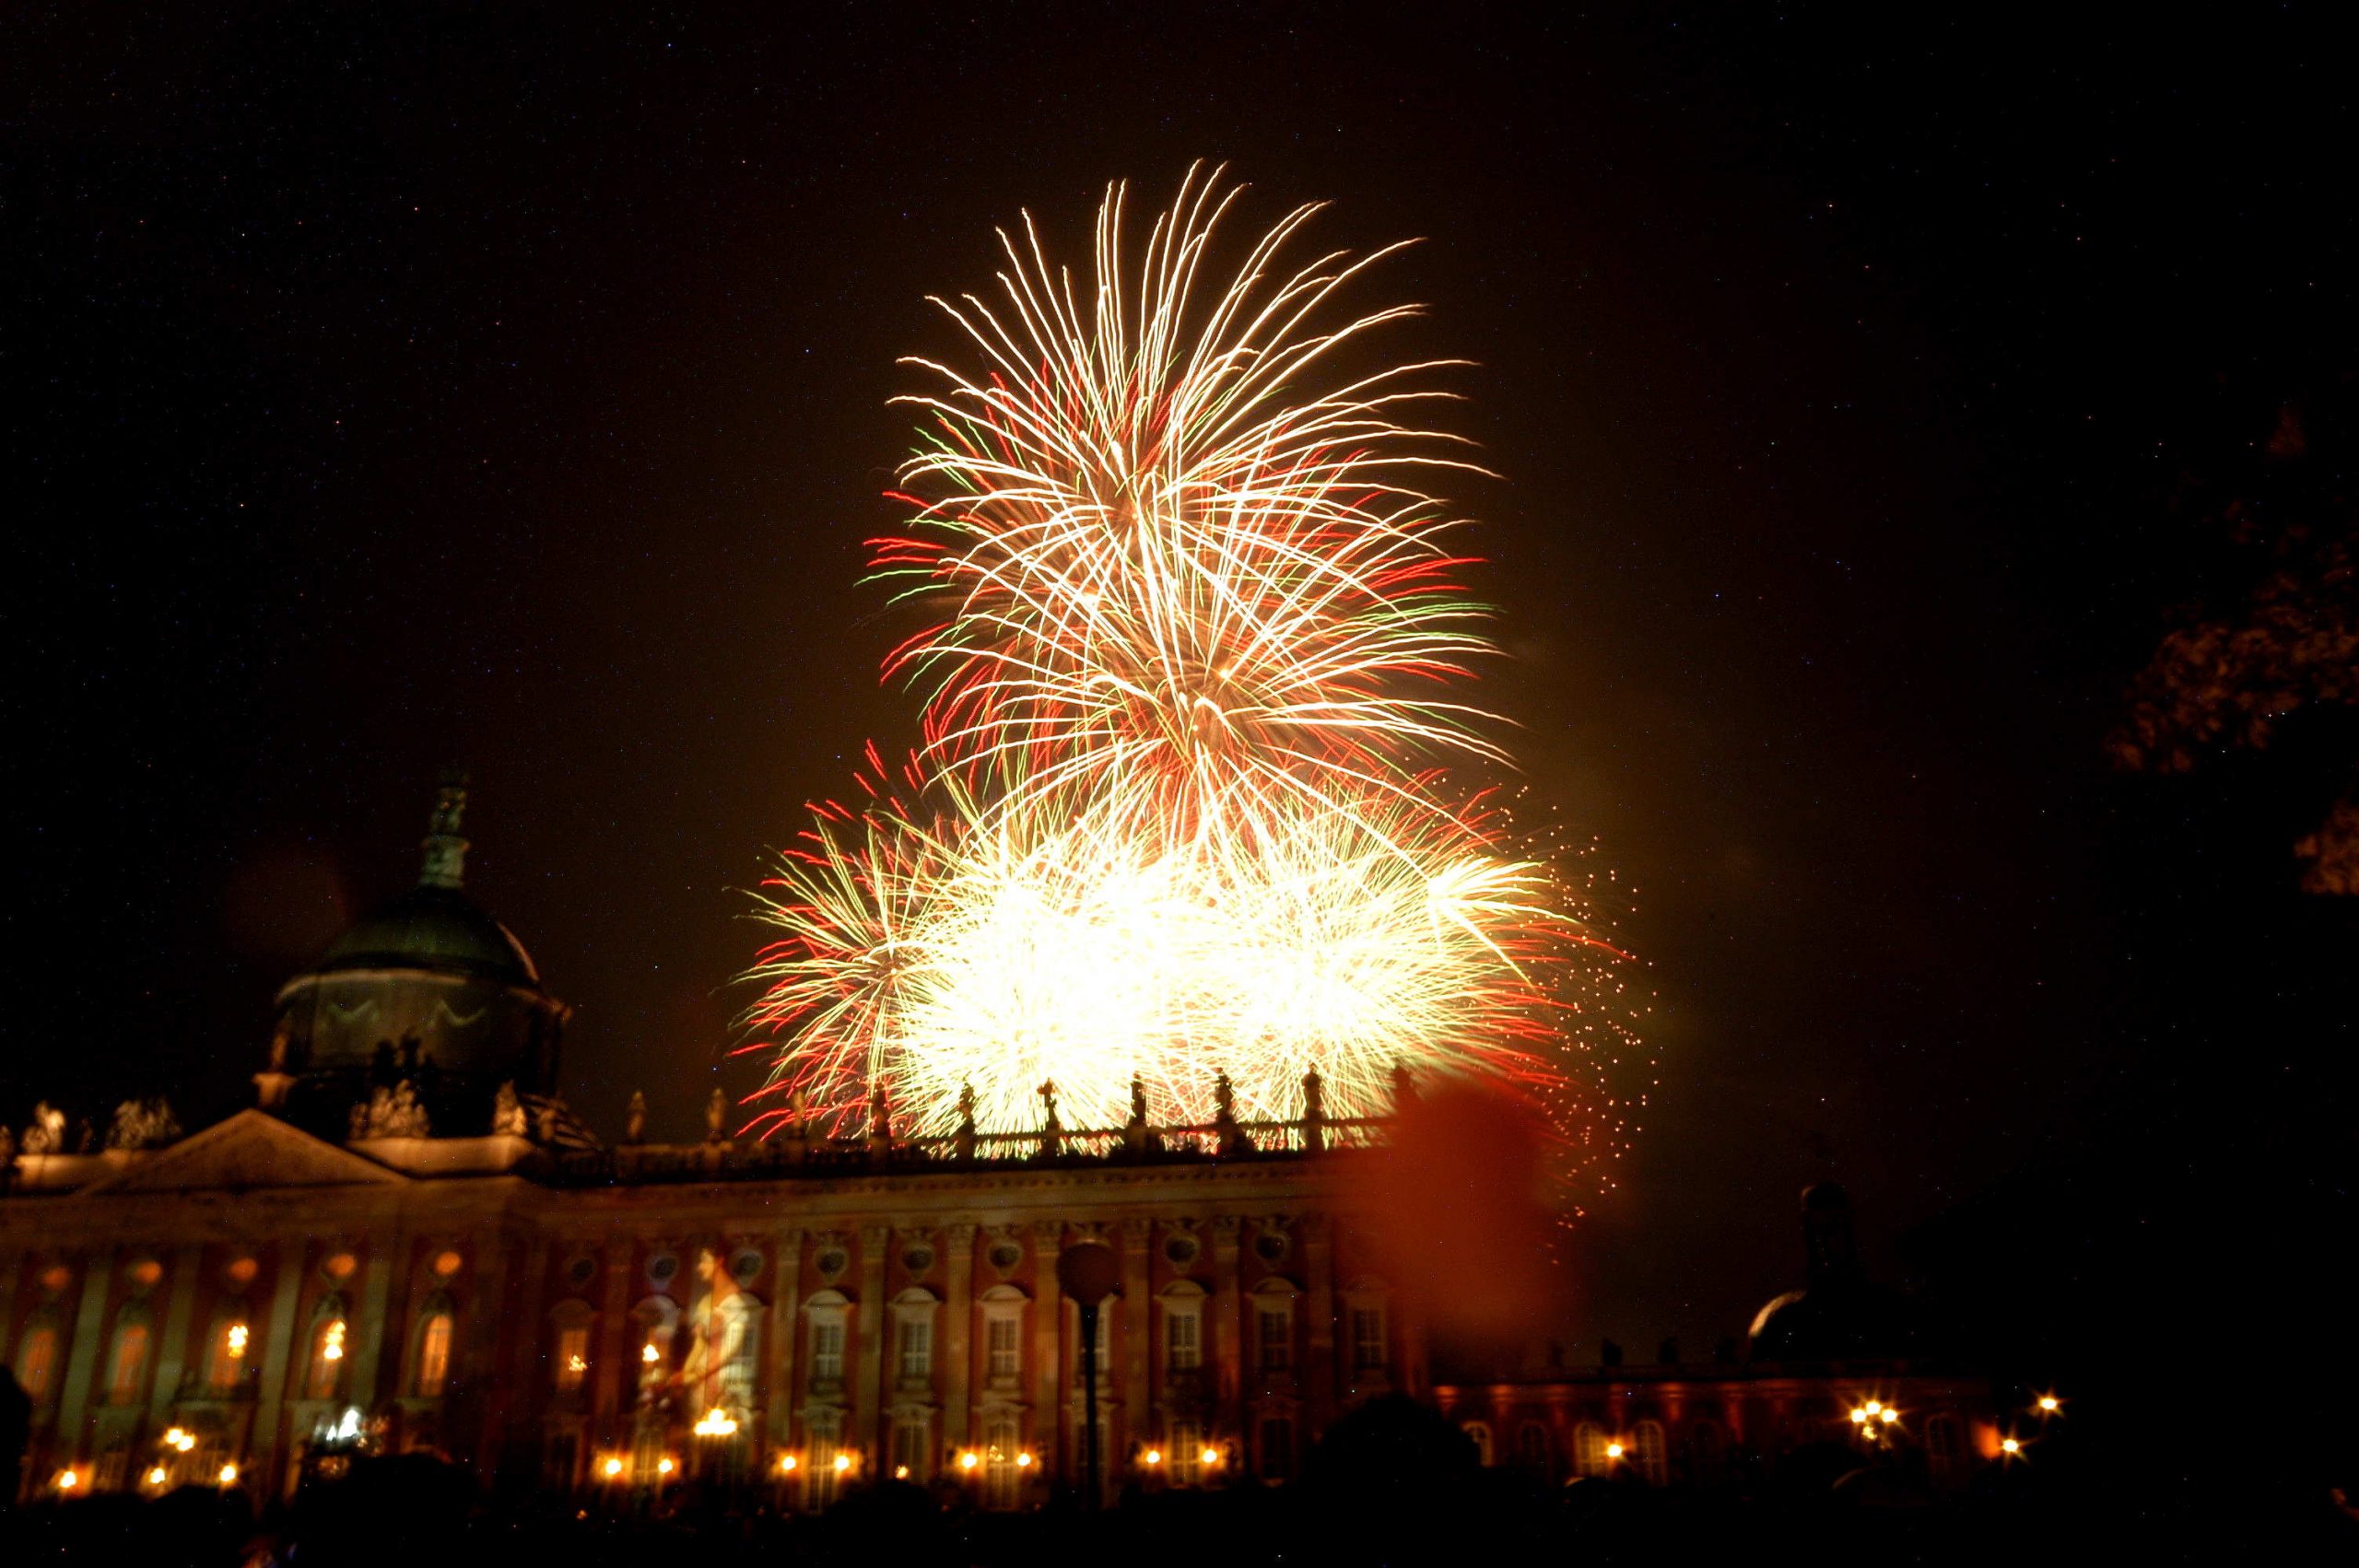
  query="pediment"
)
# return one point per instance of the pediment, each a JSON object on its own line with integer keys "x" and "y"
{"x": 249, "y": 1149}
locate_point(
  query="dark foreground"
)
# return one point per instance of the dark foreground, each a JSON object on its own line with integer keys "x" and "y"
{"x": 413, "y": 1514}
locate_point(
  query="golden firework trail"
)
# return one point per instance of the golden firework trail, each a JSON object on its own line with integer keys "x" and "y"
{"x": 1192, "y": 686}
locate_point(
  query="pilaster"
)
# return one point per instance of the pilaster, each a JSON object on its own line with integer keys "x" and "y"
{"x": 172, "y": 1345}
{"x": 377, "y": 1258}
{"x": 269, "y": 1433}
{"x": 1227, "y": 1347}
{"x": 1048, "y": 1314}
{"x": 868, "y": 1315}
{"x": 1318, "y": 1234}
{"x": 957, "y": 1336}
{"x": 614, "y": 1364}
{"x": 82, "y": 1363}
{"x": 778, "y": 1350}
{"x": 1135, "y": 1400}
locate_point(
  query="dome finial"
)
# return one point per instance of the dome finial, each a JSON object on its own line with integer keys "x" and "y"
{"x": 446, "y": 852}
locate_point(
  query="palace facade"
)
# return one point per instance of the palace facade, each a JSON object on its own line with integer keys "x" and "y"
{"x": 411, "y": 1244}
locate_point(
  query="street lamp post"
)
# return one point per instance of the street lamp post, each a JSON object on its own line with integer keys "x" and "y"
{"x": 1087, "y": 1272}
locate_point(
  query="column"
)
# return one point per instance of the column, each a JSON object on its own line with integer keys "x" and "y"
{"x": 277, "y": 1354}
{"x": 957, "y": 1337}
{"x": 868, "y": 1317}
{"x": 1318, "y": 1234}
{"x": 777, "y": 1353}
{"x": 1048, "y": 1314}
{"x": 83, "y": 1361}
{"x": 173, "y": 1348}
{"x": 1227, "y": 1348}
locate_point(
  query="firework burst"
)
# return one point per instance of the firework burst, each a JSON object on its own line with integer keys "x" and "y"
{"x": 1190, "y": 695}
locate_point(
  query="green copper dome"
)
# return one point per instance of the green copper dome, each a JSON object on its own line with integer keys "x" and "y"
{"x": 433, "y": 928}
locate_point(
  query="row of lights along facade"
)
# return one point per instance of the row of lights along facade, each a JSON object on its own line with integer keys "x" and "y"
{"x": 411, "y": 1244}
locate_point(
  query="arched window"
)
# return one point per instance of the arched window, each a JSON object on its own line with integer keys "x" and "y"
{"x": 1277, "y": 1447}
{"x": 1272, "y": 1310}
{"x": 1368, "y": 1336}
{"x": 912, "y": 1446}
{"x": 1187, "y": 1456}
{"x": 913, "y": 1313}
{"x": 1589, "y": 1449}
{"x": 1943, "y": 1453}
{"x": 1532, "y": 1447}
{"x": 1003, "y": 1310}
{"x": 229, "y": 1353}
{"x": 1003, "y": 1448}
{"x": 1183, "y": 1328}
{"x": 324, "y": 1376}
{"x": 37, "y": 1360}
{"x": 1479, "y": 1433}
{"x": 1706, "y": 1451}
{"x": 432, "y": 1363}
{"x": 820, "y": 1475}
{"x": 128, "y": 1369}
{"x": 569, "y": 1345}
{"x": 827, "y": 1313}
{"x": 1652, "y": 1455}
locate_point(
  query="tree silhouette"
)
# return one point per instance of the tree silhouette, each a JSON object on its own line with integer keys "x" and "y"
{"x": 2273, "y": 642}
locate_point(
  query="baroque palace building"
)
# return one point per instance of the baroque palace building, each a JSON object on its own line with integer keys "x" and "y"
{"x": 410, "y": 1244}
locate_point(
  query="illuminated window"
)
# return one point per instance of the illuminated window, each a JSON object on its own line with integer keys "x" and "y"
{"x": 826, "y": 1352}
{"x": 915, "y": 1349}
{"x": 573, "y": 1356}
{"x": 1186, "y": 1452}
{"x": 325, "y": 1374}
{"x": 434, "y": 1354}
{"x": 911, "y": 1447}
{"x": 1003, "y": 1348}
{"x": 1183, "y": 1345}
{"x": 1277, "y": 1447}
{"x": 1479, "y": 1433}
{"x": 1589, "y": 1449}
{"x": 1652, "y": 1457}
{"x": 1002, "y": 1446}
{"x": 819, "y": 1472}
{"x": 1368, "y": 1339}
{"x": 129, "y": 1365}
{"x": 37, "y": 1360}
{"x": 230, "y": 1344}
{"x": 1273, "y": 1337}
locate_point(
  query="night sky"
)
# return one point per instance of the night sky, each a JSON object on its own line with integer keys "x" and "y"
{"x": 508, "y": 385}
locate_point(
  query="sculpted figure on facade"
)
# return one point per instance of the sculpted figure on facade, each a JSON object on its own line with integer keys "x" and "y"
{"x": 143, "y": 1124}
{"x": 46, "y": 1134}
{"x": 391, "y": 1113}
{"x": 508, "y": 1112}
{"x": 635, "y": 1118}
